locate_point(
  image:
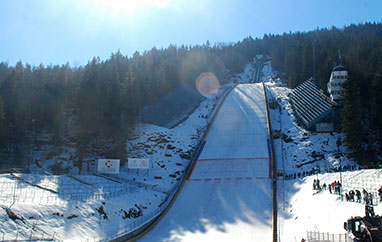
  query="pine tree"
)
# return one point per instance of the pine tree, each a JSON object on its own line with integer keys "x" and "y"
{"x": 351, "y": 117}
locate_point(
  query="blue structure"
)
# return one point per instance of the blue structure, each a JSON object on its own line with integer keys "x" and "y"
{"x": 310, "y": 104}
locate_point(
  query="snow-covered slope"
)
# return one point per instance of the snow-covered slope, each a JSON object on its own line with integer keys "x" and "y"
{"x": 228, "y": 195}
{"x": 81, "y": 207}
{"x": 302, "y": 153}
{"x": 227, "y": 203}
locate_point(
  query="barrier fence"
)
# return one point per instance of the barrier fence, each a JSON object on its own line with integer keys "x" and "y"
{"x": 316, "y": 236}
{"x": 28, "y": 232}
{"x": 370, "y": 180}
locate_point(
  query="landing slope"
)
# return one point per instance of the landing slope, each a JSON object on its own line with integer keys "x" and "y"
{"x": 228, "y": 195}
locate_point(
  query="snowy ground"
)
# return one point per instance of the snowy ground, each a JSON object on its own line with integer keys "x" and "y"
{"x": 228, "y": 195}
{"x": 82, "y": 207}
{"x": 88, "y": 207}
{"x": 298, "y": 151}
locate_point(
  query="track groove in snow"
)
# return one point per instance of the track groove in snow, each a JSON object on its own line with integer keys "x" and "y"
{"x": 229, "y": 198}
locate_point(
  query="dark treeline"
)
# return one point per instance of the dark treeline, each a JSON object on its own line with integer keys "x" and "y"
{"x": 102, "y": 99}
{"x": 67, "y": 106}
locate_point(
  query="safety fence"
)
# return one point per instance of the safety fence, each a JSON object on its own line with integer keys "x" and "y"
{"x": 368, "y": 180}
{"x": 138, "y": 222}
{"x": 357, "y": 181}
{"x": 26, "y": 236}
{"x": 49, "y": 189}
{"x": 316, "y": 236}
{"x": 27, "y": 231}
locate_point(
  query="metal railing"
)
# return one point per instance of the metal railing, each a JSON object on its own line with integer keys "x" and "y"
{"x": 315, "y": 236}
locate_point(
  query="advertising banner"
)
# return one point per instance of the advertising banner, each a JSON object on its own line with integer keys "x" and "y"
{"x": 133, "y": 163}
{"x": 108, "y": 166}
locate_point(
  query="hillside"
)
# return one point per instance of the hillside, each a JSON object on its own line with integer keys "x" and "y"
{"x": 55, "y": 206}
{"x": 49, "y": 206}
{"x": 302, "y": 153}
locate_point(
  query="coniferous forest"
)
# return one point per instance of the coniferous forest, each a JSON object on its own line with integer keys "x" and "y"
{"x": 102, "y": 100}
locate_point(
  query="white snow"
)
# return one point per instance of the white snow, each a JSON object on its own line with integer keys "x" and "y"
{"x": 68, "y": 207}
{"x": 300, "y": 208}
{"x": 228, "y": 195}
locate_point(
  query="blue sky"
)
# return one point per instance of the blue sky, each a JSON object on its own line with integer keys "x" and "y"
{"x": 74, "y": 31}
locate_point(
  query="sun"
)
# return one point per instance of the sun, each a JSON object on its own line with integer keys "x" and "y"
{"x": 116, "y": 8}
{"x": 161, "y": 3}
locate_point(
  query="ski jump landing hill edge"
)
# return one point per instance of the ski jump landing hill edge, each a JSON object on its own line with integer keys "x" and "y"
{"x": 228, "y": 194}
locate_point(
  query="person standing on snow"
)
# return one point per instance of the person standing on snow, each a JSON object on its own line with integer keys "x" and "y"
{"x": 358, "y": 194}
{"x": 380, "y": 194}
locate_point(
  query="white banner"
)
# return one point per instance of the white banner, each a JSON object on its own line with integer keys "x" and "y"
{"x": 137, "y": 163}
{"x": 108, "y": 166}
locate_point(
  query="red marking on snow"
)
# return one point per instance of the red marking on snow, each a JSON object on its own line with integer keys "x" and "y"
{"x": 232, "y": 159}
{"x": 195, "y": 179}
{"x": 229, "y": 178}
{"x": 192, "y": 169}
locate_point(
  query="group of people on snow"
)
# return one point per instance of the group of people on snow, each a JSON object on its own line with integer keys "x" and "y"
{"x": 315, "y": 170}
{"x": 334, "y": 187}
{"x": 350, "y": 196}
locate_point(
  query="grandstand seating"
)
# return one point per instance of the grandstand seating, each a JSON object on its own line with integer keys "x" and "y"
{"x": 310, "y": 105}
{"x": 173, "y": 108}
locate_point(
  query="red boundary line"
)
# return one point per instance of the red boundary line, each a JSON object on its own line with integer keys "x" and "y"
{"x": 196, "y": 160}
{"x": 229, "y": 179}
{"x": 263, "y": 178}
{"x": 233, "y": 159}
{"x": 191, "y": 170}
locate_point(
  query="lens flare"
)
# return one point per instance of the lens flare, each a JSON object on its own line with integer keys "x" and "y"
{"x": 207, "y": 84}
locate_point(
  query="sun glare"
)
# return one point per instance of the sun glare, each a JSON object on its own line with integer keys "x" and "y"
{"x": 120, "y": 7}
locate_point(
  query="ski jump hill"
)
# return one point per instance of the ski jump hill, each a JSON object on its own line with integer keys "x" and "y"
{"x": 228, "y": 193}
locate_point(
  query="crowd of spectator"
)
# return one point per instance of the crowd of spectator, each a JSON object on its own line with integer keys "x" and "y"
{"x": 318, "y": 170}
{"x": 350, "y": 196}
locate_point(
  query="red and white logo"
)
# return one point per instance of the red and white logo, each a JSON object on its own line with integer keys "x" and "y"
{"x": 133, "y": 163}
{"x": 109, "y": 166}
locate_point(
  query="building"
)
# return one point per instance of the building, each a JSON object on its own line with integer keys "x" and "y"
{"x": 312, "y": 107}
{"x": 335, "y": 85}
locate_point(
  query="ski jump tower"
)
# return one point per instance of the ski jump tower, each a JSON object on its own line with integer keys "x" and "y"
{"x": 335, "y": 85}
